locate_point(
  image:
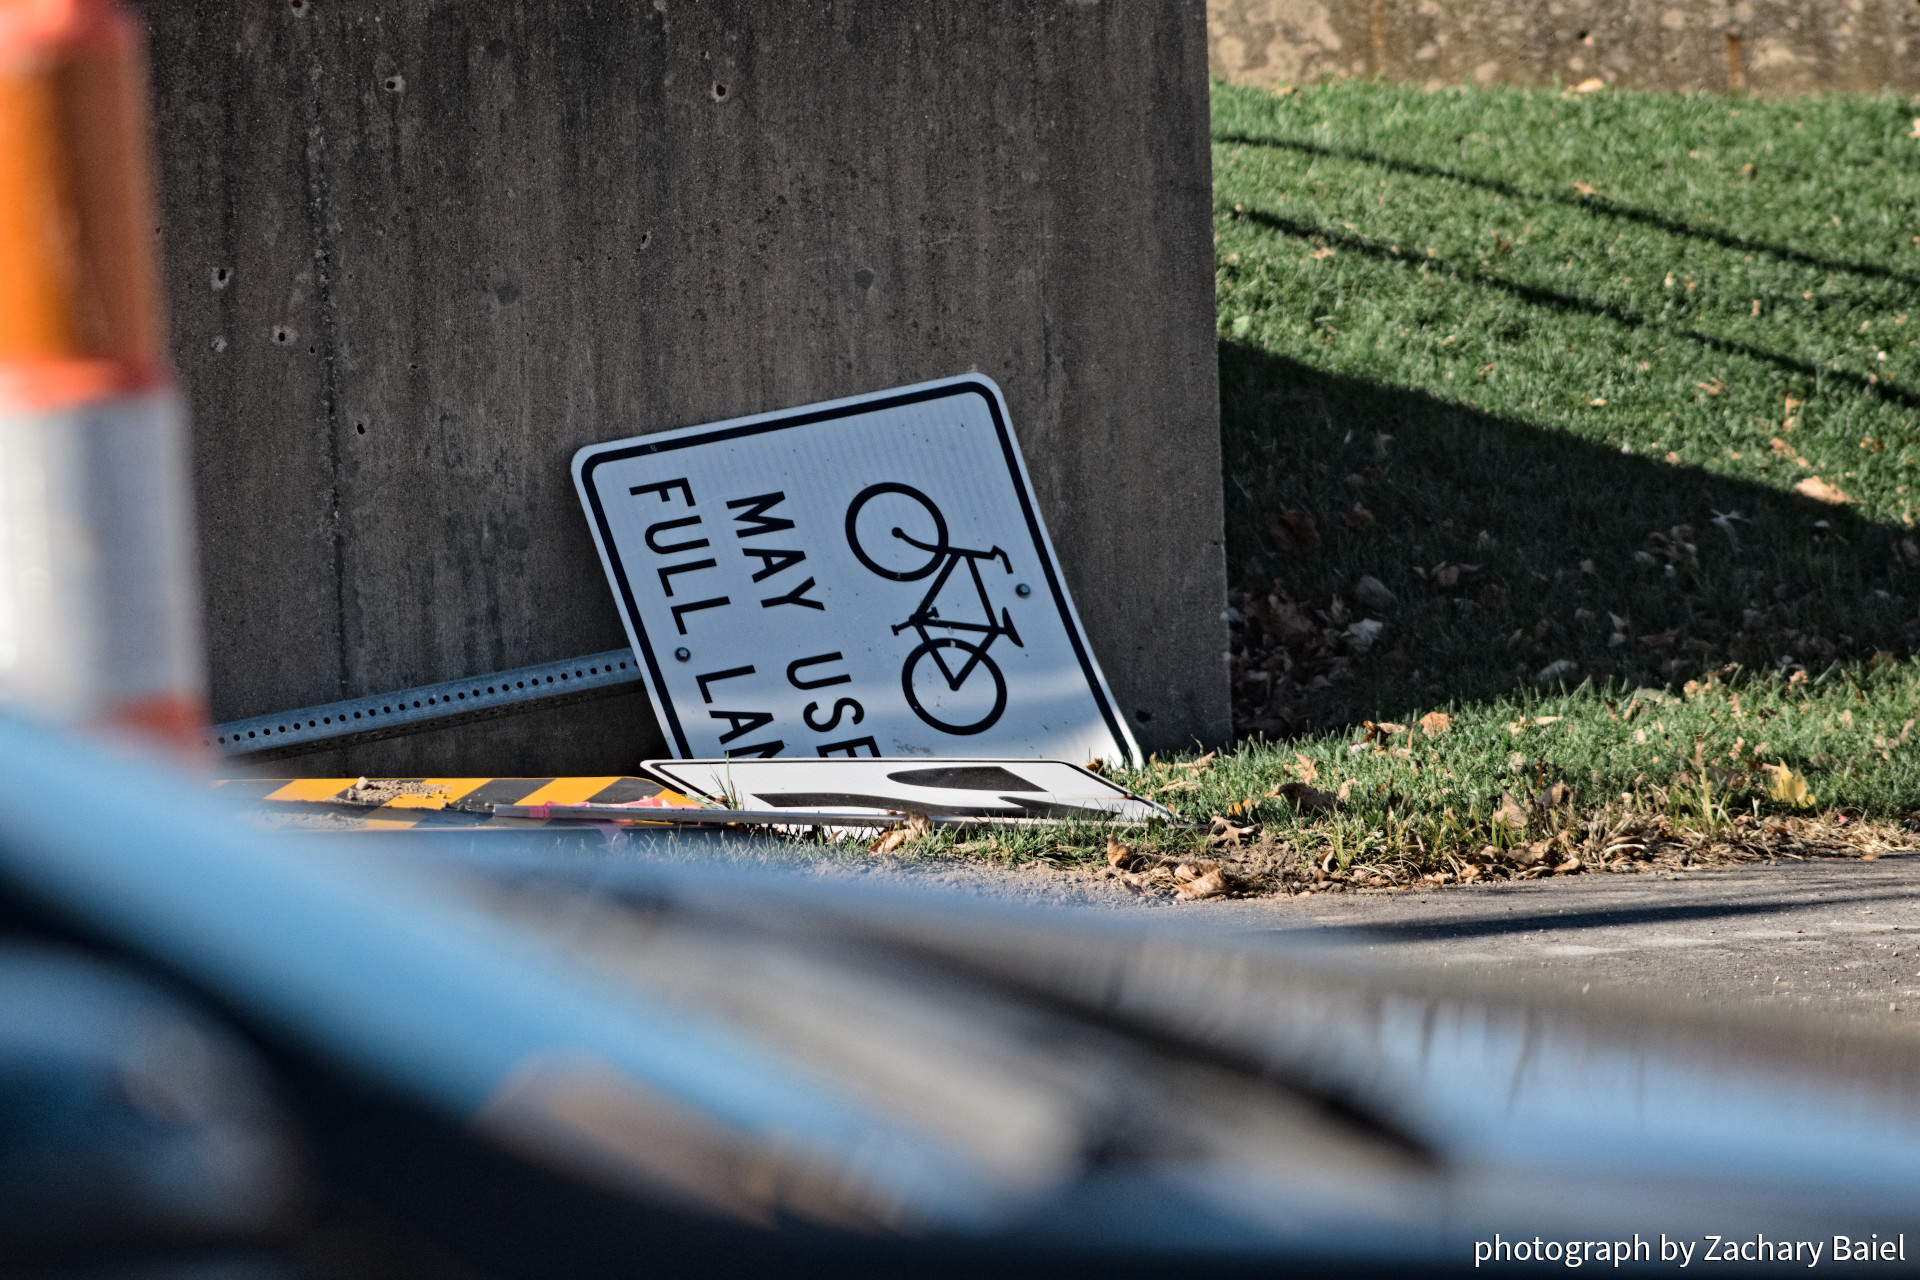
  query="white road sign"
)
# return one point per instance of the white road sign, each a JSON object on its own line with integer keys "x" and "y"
{"x": 865, "y": 577}
{"x": 962, "y": 788}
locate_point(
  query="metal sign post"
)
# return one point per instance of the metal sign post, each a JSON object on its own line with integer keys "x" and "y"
{"x": 429, "y": 706}
{"x": 864, "y": 577}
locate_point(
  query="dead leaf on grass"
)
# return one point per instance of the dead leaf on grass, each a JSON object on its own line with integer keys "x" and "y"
{"x": 1531, "y": 854}
{"x": 1225, "y": 833}
{"x": 1294, "y": 532}
{"x": 1304, "y": 768}
{"x": 1788, "y": 786}
{"x": 1283, "y": 620}
{"x": 1435, "y": 723}
{"x": 915, "y": 825}
{"x": 1586, "y": 189}
{"x": 1371, "y": 593}
{"x": 1210, "y": 885}
{"x": 1675, "y": 545}
{"x": 1119, "y": 856}
{"x": 1820, "y": 491}
{"x": 1359, "y": 519}
{"x": 1510, "y": 815}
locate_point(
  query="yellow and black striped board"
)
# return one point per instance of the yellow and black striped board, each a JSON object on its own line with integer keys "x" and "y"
{"x": 404, "y": 804}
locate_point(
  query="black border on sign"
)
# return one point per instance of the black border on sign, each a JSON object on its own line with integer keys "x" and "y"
{"x": 807, "y": 418}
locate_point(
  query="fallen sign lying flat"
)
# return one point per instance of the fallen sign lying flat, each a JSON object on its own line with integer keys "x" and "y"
{"x": 1048, "y": 790}
{"x": 781, "y": 819}
{"x": 914, "y": 792}
{"x": 865, "y": 577}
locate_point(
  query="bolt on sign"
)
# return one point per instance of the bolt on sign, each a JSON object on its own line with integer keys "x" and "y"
{"x": 863, "y": 577}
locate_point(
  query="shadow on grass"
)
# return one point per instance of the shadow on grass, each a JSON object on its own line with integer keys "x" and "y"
{"x": 1554, "y": 300}
{"x": 1598, "y": 205}
{"x": 1514, "y": 557}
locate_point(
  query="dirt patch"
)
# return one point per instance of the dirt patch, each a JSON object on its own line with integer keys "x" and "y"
{"x": 1642, "y": 846}
{"x": 381, "y": 791}
{"x": 1260, "y": 868}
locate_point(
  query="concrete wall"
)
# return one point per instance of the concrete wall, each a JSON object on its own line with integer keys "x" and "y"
{"x": 1761, "y": 46}
{"x": 419, "y": 252}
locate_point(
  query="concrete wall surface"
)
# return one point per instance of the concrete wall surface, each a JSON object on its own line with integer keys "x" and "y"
{"x": 1761, "y": 46}
{"x": 419, "y": 252}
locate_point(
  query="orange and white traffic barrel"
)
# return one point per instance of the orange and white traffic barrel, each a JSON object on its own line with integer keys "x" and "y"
{"x": 99, "y": 598}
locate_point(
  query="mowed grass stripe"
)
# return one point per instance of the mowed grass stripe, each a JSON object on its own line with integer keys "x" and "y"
{"x": 1548, "y": 369}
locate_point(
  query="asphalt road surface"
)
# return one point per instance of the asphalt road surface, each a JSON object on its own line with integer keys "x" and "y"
{"x": 1835, "y": 936}
{"x": 1838, "y": 936}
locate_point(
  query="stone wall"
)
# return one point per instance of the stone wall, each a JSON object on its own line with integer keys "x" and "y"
{"x": 1761, "y": 46}
{"x": 419, "y": 251}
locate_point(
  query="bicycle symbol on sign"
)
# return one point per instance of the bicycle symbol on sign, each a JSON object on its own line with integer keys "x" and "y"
{"x": 907, "y": 558}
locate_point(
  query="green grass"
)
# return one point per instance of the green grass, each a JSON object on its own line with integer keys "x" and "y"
{"x": 1694, "y": 771}
{"x": 1473, "y": 307}
{"x": 1569, "y": 357}
{"x": 1548, "y": 367}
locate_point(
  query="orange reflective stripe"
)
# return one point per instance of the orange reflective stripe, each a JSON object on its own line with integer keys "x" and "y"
{"x": 80, "y": 313}
{"x": 568, "y": 791}
{"x": 312, "y": 789}
{"x": 38, "y": 257}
